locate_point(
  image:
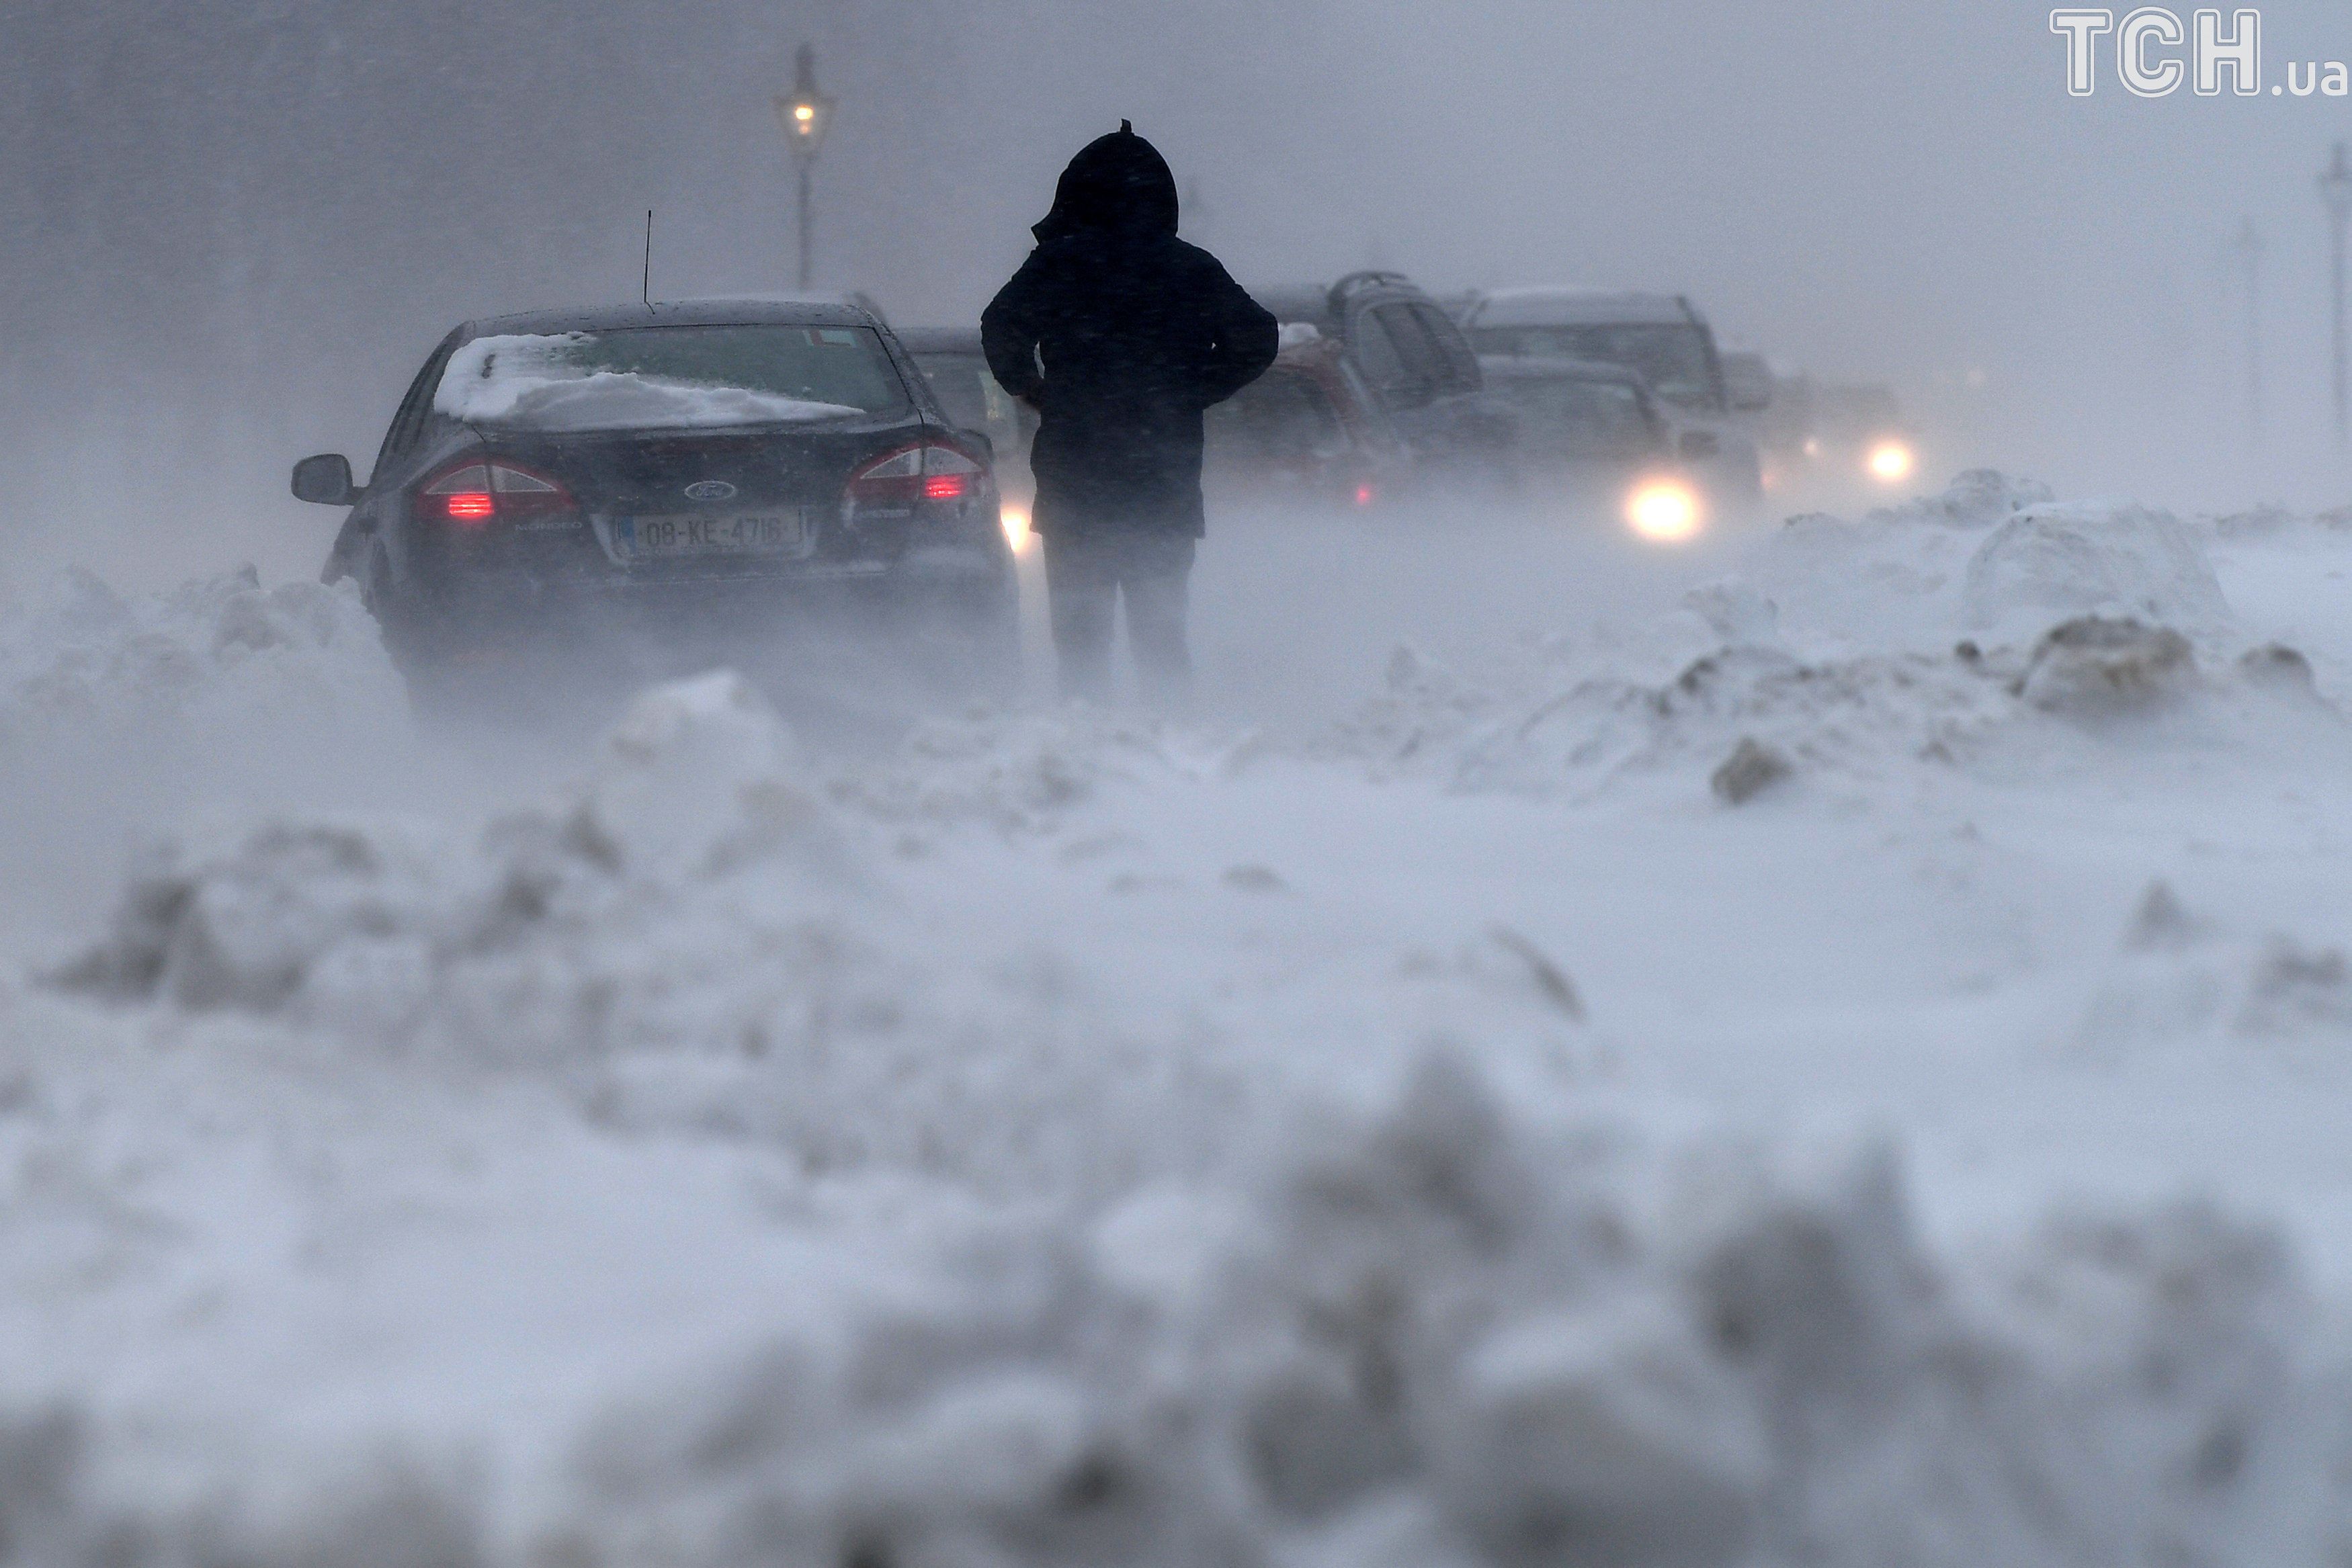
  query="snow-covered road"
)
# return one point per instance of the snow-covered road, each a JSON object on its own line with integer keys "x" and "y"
{"x": 1429, "y": 1108}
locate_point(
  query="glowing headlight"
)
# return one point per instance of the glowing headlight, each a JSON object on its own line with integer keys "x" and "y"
{"x": 1665, "y": 511}
{"x": 1890, "y": 462}
{"x": 1016, "y": 524}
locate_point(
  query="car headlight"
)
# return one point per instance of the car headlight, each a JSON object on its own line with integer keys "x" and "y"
{"x": 1890, "y": 462}
{"x": 1664, "y": 511}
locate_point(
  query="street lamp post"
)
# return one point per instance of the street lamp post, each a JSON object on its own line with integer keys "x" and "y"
{"x": 806, "y": 112}
{"x": 2335, "y": 190}
{"x": 2249, "y": 248}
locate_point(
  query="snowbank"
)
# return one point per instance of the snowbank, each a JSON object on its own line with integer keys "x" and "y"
{"x": 122, "y": 719}
{"x": 83, "y": 662}
{"x": 1992, "y": 555}
{"x": 387, "y": 929}
{"x": 700, "y": 936}
{"x": 1131, "y": 1182}
{"x": 1949, "y": 632}
{"x": 1746, "y": 715}
{"x": 2181, "y": 979}
{"x": 2049, "y": 562}
{"x": 1432, "y": 1331}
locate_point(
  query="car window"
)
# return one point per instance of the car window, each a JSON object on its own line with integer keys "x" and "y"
{"x": 409, "y": 421}
{"x": 1370, "y": 420}
{"x": 1424, "y": 364}
{"x": 671, "y": 377}
{"x": 1581, "y": 418}
{"x": 1383, "y": 366}
{"x": 971, "y": 398}
{"x": 1673, "y": 358}
{"x": 1458, "y": 365}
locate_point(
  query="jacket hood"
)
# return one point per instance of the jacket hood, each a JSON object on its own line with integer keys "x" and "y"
{"x": 1118, "y": 183}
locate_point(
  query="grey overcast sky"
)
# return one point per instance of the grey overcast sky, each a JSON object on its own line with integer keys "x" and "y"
{"x": 236, "y": 228}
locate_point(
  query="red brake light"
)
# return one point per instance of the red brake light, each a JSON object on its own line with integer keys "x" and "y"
{"x": 1365, "y": 495}
{"x": 474, "y": 492}
{"x": 929, "y": 472}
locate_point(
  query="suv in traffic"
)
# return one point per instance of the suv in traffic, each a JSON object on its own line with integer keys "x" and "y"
{"x": 1660, "y": 336}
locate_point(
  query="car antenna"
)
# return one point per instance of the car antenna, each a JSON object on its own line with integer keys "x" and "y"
{"x": 646, "y": 287}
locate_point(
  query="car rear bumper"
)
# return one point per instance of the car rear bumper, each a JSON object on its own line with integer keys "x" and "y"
{"x": 941, "y": 589}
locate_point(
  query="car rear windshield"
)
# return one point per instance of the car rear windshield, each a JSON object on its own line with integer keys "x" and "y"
{"x": 665, "y": 378}
{"x": 1673, "y": 360}
{"x": 970, "y": 396}
{"x": 1582, "y": 419}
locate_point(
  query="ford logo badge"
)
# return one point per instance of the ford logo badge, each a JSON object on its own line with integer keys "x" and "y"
{"x": 710, "y": 490}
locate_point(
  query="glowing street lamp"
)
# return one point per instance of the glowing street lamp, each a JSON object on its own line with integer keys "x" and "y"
{"x": 805, "y": 113}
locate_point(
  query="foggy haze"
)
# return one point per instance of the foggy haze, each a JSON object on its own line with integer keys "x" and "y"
{"x": 236, "y": 229}
{"x": 1587, "y": 1020}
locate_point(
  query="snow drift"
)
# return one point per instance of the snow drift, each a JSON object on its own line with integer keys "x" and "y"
{"x": 1432, "y": 1331}
{"x": 1950, "y": 632}
{"x": 84, "y": 669}
{"x": 122, "y": 719}
{"x": 1010, "y": 1149}
{"x": 2048, "y": 562}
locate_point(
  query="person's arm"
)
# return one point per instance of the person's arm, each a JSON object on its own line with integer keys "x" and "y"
{"x": 1245, "y": 338}
{"x": 1009, "y": 330}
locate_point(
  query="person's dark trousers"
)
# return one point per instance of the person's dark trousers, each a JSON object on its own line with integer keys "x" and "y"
{"x": 1086, "y": 574}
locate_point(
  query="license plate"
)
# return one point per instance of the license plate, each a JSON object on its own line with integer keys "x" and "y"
{"x": 748, "y": 533}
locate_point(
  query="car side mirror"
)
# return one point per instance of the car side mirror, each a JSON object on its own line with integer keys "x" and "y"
{"x": 325, "y": 480}
{"x": 1700, "y": 444}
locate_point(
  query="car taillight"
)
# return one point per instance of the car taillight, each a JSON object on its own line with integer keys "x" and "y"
{"x": 929, "y": 472}
{"x": 474, "y": 492}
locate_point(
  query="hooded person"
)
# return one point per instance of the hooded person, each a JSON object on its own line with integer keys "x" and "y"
{"x": 1121, "y": 334}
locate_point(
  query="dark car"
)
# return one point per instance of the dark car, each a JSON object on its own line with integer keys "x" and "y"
{"x": 1419, "y": 365}
{"x": 956, "y": 370}
{"x": 716, "y": 462}
{"x": 1309, "y": 431}
{"x": 1594, "y": 442}
{"x": 1662, "y": 337}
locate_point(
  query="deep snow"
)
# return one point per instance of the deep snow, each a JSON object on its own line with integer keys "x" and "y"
{"x": 1833, "y": 1053}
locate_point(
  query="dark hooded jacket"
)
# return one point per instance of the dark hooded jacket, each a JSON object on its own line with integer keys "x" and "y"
{"x": 1136, "y": 331}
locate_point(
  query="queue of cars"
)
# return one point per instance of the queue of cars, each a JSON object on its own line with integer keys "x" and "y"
{"x": 797, "y": 450}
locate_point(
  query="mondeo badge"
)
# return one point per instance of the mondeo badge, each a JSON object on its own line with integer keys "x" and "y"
{"x": 710, "y": 490}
